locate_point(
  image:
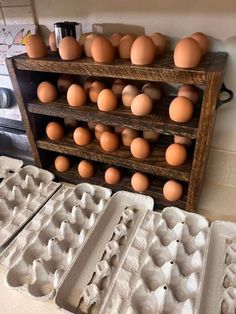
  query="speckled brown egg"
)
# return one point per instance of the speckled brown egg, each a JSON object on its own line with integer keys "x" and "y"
{"x": 82, "y": 136}
{"x": 189, "y": 91}
{"x": 107, "y": 100}
{"x": 46, "y": 92}
{"x": 62, "y": 163}
{"x": 112, "y": 175}
{"x": 69, "y": 48}
{"x": 100, "y": 128}
{"x": 187, "y": 53}
{"x": 76, "y": 96}
{"x": 125, "y": 45}
{"x": 140, "y": 182}
{"x": 102, "y": 50}
{"x": 88, "y": 43}
{"x": 172, "y": 190}
{"x": 151, "y": 136}
{"x": 54, "y": 131}
{"x": 64, "y": 82}
{"x": 186, "y": 141}
{"x": 140, "y": 148}
{"x": 94, "y": 90}
{"x": 36, "y": 47}
{"x": 202, "y": 40}
{"x": 109, "y": 141}
{"x": 142, "y": 105}
{"x": 128, "y": 135}
{"x": 152, "y": 91}
{"x": 160, "y": 43}
{"x": 143, "y": 51}
{"x": 176, "y": 155}
{"x": 86, "y": 169}
{"x": 128, "y": 94}
{"x": 117, "y": 87}
{"x": 88, "y": 82}
{"x": 181, "y": 109}
{"x": 52, "y": 42}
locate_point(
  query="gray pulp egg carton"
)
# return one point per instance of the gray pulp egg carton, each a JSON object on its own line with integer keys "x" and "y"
{"x": 22, "y": 194}
{"x": 9, "y": 165}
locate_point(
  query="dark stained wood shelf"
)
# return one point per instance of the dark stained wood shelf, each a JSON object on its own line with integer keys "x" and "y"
{"x": 158, "y": 121}
{"x": 162, "y": 69}
{"x": 154, "y": 164}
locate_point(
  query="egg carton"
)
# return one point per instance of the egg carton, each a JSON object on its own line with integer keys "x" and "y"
{"x": 40, "y": 257}
{"x": 22, "y": 194}
{"x": 9, "y": 165}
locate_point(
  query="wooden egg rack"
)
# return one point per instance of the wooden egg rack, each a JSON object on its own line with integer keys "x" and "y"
{"x": 26, "y": 74}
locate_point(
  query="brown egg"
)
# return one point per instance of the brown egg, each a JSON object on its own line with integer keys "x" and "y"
{"x": 118, "y": 86}
{"x": 112, "y": 175}
{"x": 172, "y": 190}
{"x": 115, "y": 40}
{"x": 202, "y": 40}
{"x": 176, "y": 155}
{"x": 181, "y": 109}
{"x": 76, "y": 96}
{"x": 160, "y": 43}
{"x": 86, "y": 169}
{"x": 142, "y": 105}
{"x": 36, "y": 47}
{"x": 109, "y": 141}
{"x": 152, "y": 91}
{"x": 88, "y": 82}
{"x": 88, "y": 43}
{"x": 189, "y": 91}
{"x": 82, "y": 41}
{"x": 62, "y": 163}
{"x": 102, "y": 50}
{"x": 91, "y": 125}
{"x": 151, "y": 136}
{"x": 82, "y": 136}
{"x": 100, "y": 128}
{"x": 107, "y": 100}
{"x": 54, "y": 131}
{"x": 187, "y": 53}
{"x": 64, "y": 82}
{"x": 128, "y": 94}
{"x": 69, "y": 48}
{"x": 125, "y": 45}
{"x": 52, "y": 42}
{"x": 143, "y": 51}
{"x": 186, "y": 141}
{"x": 128, "y": 135}
{"x": 71, "y": 123}
{"x": 46, "y": 92}
{"x": 94, "y": 90}
{"x": 118, "y": 129}
{"x": 140, "y": 148}
{"x": 139, "y": 182}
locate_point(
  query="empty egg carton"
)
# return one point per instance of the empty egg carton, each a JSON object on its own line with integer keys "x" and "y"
{"x": 9, "y": 165}
{"x": 38, "y": 259}
{"x": 22, "y": 194}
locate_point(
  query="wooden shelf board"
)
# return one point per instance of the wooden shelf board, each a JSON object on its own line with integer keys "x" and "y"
{"x": 154, "y": 164}
{"x": 158, "y": 121}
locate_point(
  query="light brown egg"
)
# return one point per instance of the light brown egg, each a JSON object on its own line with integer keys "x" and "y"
{"x": 109, "y": 141}
{"x": 128, "y": 94}
{"x": 140, "y": 148}
{"x": 94, "y": 90}
{"x": 71, "y": 123}
{"x": 142, "y": 105}
{"x": 125, "y": 45}
{"x": 88, "y": 43}
{"x": 115, "y": 40}
{"x": 107, "y": 100}
{"x": 151, "y": 136}
{"x": 143, "y": 51}
{"x": 54, "y": 131}
{"x": 100, "y": 128}
{"x": 176, "y": 155}
{"x": 140, "y": 182}
{"x": 118, "y": 86}
{"x": 36, "y": 47}
{"x": 88, "y": 82}
{"x": 160, "y": 43}
{"x": 62, "y": 163}
{"x": 69, "y": 48}
{"x": 82, "y": 136}
{"x": 202, "y": 40}
{"x": 102, "y": 50}
{"x": 112, "y": 175}
{"x": 189, "y": 91}
{"x": 172, "y": 190}
{"x": 128, "y": 135}
{"x": 152, "y": 91}
{"x": 86, "y": 169}
{"x": 181, "y": 109}
{"x": 186, "y": 141}
{"x": 187, "y": 53}
{"x": 76, "y": 96}
{"x": 64, "y": 82}
{"x": 52, "y": 42}
{"x": 46, "y": 92}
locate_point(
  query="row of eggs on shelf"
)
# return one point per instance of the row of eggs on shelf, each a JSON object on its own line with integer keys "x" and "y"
{"x": 172, "y": 190}
{"x": 141, "y": 102}
{"x": 142, "y": 50}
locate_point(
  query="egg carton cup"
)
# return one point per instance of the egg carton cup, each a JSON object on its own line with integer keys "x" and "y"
{"x": 40, "y": 257}
{"x": 9, "y": 165}
{"x": 22, "y": 194}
